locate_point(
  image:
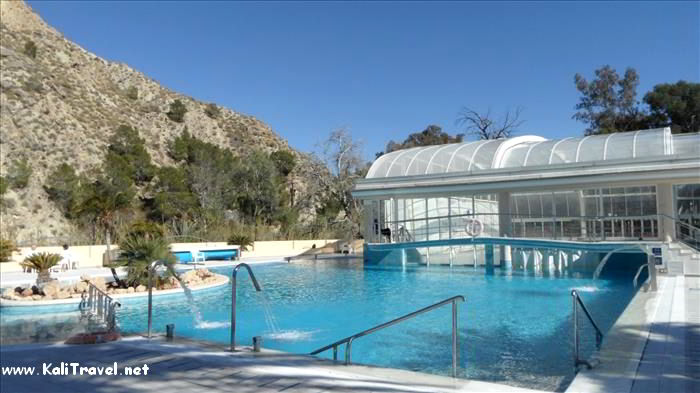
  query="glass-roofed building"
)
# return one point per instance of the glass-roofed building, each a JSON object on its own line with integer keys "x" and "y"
{"x": 631, "y": 186}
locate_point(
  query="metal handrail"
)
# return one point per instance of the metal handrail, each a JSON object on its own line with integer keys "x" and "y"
{"x": 598, "y": 333}
{"x": 233, "y": 298}
{"x": 348, "y": 340}
{"x": 639, "y": 271}
{"x": 101, "y": 304}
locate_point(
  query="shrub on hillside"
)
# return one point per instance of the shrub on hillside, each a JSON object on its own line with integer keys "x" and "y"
{"x": 177, "y": 111}
{"x": 132, "y": 93}
{"x": 7, "y": 247}
{"x": 212, "y": 110}
{"x": 30, "y": 49}
{"x": 19, "y": 174}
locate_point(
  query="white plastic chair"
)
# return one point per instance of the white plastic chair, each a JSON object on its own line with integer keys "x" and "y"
{"x": 199, "y": 258}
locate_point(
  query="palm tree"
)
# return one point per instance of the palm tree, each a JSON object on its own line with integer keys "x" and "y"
{"x": 108, "y": 197}
{"x": 42, "y": 262}
{"x": 137, "y": 254}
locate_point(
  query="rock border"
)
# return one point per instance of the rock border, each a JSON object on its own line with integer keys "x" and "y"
{"x": 222, "y": 280}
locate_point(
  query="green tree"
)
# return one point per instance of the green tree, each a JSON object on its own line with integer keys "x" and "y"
{"x": 676, "y": 105}
{"x": 19, "y": 174}
{"x": 431, "y": 135}
{"x": 609, "y": 102}
{"x": 105, "y": 199}
{"x": 284, "y": 161}
{"x": 177, "y": 111}
{"x": 30, "y": 49}
{"x": 258, "y": 190}
{"x": 171, "y": 196}
{"x": 63, "y": 187}
{"x": 127, "y": 156}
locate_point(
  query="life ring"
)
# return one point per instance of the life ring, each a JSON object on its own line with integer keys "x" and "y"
{"x": 474, "y": 227}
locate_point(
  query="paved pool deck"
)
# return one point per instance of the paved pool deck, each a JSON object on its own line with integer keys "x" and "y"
{"x": 186, "y": 366}
{"x": 653, "y": 347}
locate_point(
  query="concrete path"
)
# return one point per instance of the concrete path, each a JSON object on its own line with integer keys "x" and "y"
{"x": 194, "y": 367}
{"x": 654, "y": 346}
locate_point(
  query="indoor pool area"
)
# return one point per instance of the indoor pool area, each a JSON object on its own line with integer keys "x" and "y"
{"x": 514, "y": 328}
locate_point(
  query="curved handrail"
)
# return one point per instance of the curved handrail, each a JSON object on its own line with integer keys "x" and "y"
{"x": 639, "y": 271}
{"x": 348, "y": 340}
{"x": 598, "y": 333}
{"x": 607, "y": 256}
{"x": 233, "y": 298}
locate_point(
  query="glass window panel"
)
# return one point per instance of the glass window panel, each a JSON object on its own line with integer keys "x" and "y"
{"x": 535, "y": 205}
{"x": 561, "y": 203}
{"x": 442, "y": 158}
{"x": 648, "y": 204}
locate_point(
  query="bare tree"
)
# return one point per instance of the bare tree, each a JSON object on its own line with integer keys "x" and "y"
{"x": 486, "y": 127}
{"x": 343, "y": 158}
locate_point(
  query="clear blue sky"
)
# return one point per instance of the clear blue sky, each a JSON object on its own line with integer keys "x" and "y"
{"x": 387, "y": 69}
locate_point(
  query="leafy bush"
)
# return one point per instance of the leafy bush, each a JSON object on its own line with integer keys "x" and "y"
{"x": 240, "y": 239}
{"x": 19, "y": 174}
{"x": 7, "y": 247}
{"x": 30, "y": 49}
{"x": 145, "y": 229}
{"x": 177, "y": 111}
{"x": 42, "y": 262}
{"x": 132, "y": 93}
{"x": 212, "y": 110}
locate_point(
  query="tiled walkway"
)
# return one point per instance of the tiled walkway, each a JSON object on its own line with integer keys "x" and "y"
{"x": 195, "y": 368}
{"x": 663, "y": 330}
{"x": 671, "y": 361}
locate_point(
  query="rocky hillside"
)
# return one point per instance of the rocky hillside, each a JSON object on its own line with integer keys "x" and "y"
{"x": 61, "y": 105}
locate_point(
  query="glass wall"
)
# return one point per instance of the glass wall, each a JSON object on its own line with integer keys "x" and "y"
{"x": 687, "y": 208}
{"x": 609, "y": 213}
{"x": 600, "y": 213}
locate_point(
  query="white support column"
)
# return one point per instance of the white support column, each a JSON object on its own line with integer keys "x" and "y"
{"x": 664, "y": 205}
{"x": 505, "y": 228}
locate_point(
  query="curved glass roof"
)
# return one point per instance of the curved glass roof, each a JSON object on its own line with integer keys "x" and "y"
{"x": 531, "y": 151}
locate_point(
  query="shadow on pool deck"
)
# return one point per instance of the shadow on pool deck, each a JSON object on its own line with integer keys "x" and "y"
{"x": 188, "y": 368}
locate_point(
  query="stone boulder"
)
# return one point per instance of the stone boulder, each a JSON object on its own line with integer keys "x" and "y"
{"x": 63, "y": 295}
{"x": 130, "y": 290}
{"x": 37, "y": 297}
{"x": 51, "y": 288}
{"x": 141, "y": 288}
{"x": 81, "y": 287}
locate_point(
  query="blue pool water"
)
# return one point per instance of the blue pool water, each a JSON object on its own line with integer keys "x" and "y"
{"x": 512, "y": 329}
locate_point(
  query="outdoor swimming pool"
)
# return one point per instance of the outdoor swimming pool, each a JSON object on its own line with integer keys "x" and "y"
{"x": 512, "y": 329}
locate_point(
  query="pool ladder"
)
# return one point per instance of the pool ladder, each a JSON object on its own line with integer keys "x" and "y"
{"x": 349, "y": 340}
{"x": 598, "y": 333}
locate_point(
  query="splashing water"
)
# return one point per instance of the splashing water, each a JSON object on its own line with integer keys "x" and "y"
{"x": 190, "y": 298}
{"x": 270, "y": 319}
{"x": 587, "y": 288}
{"x": 291, "y": 335}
